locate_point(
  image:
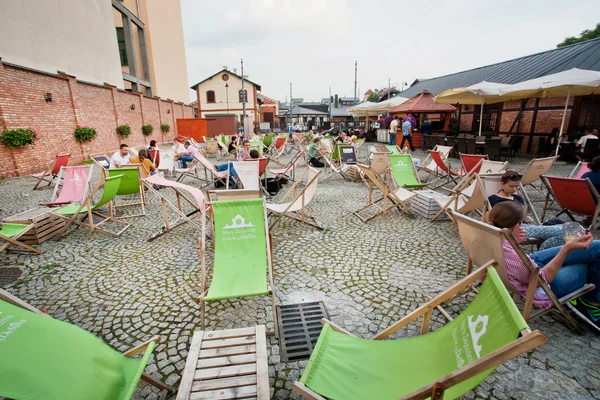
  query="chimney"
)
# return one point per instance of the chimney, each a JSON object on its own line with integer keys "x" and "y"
{"x": 225, "y": 67}
{"x": 235, "y": 70}
{"x": 330, "y": 99}
{"x": 246, "y": 77}
{"x": 336, "y": 101}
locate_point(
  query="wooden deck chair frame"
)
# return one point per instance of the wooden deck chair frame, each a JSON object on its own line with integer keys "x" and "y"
{"x": 294, "y": 193}
{"x": 61, "y": 174}
{"x": 141, "y": 201}
{"x": 463, "y": 204}
{"x": 580, "y": 169}
{"x": 551, "y": 198}
{"x": 9, "y": 298}
{"x": 476, "y": 237}
{"x": 14, "y": 241}
{"x": 89, "y": 216}
{"x": 531, "y": 173}
{"x": 289, "y": 170}
{"x": 435, "y": 390}
{"x": 103, "y": 162}
{"x": 203, "y": 281}
{"x": 448, "y": 174}
{"x": 211, "y": 175}
{"x": 51, "y": 173}
{"x": 428, "y": 165}
{"x": 333, "y": 168}
{"x": 389, "y": 198}
{"x": 176, "y": 208}
{"x": 191, "y": 171}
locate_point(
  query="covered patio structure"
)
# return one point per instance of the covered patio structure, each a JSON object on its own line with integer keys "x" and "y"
{"x": 422, "y": 106}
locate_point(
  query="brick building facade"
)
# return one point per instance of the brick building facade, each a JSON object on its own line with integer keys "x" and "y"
{"x": 74, "y": 104}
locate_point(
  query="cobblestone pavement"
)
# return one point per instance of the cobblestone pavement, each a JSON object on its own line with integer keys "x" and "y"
{"x": 126, "y": 289}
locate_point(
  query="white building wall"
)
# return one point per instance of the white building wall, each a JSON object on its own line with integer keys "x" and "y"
{"x": 74, "y": 36}
{"x": 220, "y": 106}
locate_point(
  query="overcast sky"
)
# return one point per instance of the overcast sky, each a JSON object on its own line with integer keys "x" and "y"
{"x": 313, "y": 43}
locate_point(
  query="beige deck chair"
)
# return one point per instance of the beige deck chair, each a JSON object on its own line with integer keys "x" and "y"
{"x": 429, "y": 166}
{"x": 470, "y": 196}
{"x": 212, "y": 147}
{"x": 483, "y": 243}
{"x": 300, "y": 198}
{"x": 531, "y": 173}
{"x": 248, "y": 173}
{"x": 333, "y": 167}
{"x": 463, "y": 191}
{"x": 390, "y": 198}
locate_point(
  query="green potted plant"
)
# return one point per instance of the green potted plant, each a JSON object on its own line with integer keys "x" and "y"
{"x": 83, "y": 134}
{"x": 147, "y": 129}
{"x": 165, "y": 128}
{"x": 14, "y": 138}
{"x": 124, "y": 130}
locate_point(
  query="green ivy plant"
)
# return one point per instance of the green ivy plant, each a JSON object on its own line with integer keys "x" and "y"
{"x": 14, "y": 138}
{"x": 124, "y": 130}
{"x": 147, "y": 129}
{"x": 84, "y": 134}
{"x": 165, "y": 128}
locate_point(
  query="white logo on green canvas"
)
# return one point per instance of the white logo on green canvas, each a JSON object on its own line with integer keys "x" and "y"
{"x": 401, "y": 164}
{"x": 477, "y": 329}
{"x": 239, "y": 222}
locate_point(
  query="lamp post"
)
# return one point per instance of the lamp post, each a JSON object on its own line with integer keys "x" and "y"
{"x": 227, "y": 95}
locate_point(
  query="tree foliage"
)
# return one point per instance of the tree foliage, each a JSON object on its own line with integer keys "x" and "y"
{"x": 373, "y": 97}
{"x": 585, "y": 35}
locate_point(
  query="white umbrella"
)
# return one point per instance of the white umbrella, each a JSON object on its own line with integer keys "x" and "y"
{"x": 480, "y": 93}
{"x": 369, "y": 108}
{"x": 573, "y": 82}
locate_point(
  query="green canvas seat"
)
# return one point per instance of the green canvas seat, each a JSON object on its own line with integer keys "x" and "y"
{"x": 403, "y": 171}
{"x": 10, "y": 233}
{"x": 130, "y": 185}
{"x": 242, "y": 263}
{"x": 258, "y": 146}
{"x": 72, "y": 211}
{"x": 392, "y": 148}
{"x": 452, "y": 360}
{"x": 44, "y": 358}
{"x": 268, "y": 139}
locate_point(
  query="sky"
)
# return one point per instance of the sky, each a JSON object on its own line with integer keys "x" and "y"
{"x": 313, "y": 44}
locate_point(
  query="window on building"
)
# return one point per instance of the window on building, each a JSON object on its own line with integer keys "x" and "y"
{"x": 210, "y": 96}
{"x": 122, "y": 47}
{"x": 242, "y": 95}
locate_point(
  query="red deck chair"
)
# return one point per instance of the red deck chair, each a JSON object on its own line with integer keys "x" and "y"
{"x": 52, "y": 171}
{"x": 471, "y": 162}
{"x": 75, "y": 184}
{"x": 578, "y": 196}
{"x": 155, "y": 155}
{"x": 279, "y": 142}
{"x": 445, "y": 166}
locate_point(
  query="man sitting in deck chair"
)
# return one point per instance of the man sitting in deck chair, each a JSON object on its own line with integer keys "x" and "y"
{"x": 121, "y": 157}
{"x": 242, "y": 248}
{"x": 51, "y": 173}
{"x": 51, "y": 359}
{"x": 314, "y": 155}
{"x": 445, "y": 363}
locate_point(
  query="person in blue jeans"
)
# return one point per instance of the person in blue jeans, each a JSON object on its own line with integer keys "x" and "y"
{"x": 565, "y": 268}
{"x": 233, "y": 175}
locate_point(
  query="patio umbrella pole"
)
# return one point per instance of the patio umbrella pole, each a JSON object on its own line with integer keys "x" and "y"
{"x": 481, "y": 115}
{"x": 562, "y": 124}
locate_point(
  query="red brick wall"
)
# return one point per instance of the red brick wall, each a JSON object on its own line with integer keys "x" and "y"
{"x": 23, "y": 105}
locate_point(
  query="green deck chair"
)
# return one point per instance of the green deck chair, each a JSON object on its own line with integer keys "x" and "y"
{"x": 268, "y": 139}
{"x": 242, "y": 263}
{"x": 10, "y": 233}
{"x": 258, "y": 146}
{"x": 44, "y": 358}
{"x": 335, "y": 154}
{"x": 71, "y": 212}
{"x": 445, "y": 363}
{"x": 130, "y": 186}
{"x": 392, "y": 148}
{"x": 403, "y": 171}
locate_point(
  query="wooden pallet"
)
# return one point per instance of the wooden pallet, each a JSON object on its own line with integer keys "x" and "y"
{"x": 424, "y": 204}
{"x": 227, "y": 364}
{"x": 45, "y": 225}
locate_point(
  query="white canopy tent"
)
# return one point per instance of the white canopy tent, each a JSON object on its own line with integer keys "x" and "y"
{"x": 573, "y": 82}
{"x": 373, "y": 109}
{"x": 480, "y": 93}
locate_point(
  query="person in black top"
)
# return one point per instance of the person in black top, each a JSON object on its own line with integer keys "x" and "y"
{"x": 426, "y": 130}
{"x": 511, "y": 181}
{"x": 594, "y": 174}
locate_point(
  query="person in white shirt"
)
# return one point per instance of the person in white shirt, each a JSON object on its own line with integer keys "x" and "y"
{"x": 588, "y": 135}
{"x": 121, "y": 157}
{"x": 394, "y": 129}
{"x": 178, "y": 147}
{"x": 189, "y": 153}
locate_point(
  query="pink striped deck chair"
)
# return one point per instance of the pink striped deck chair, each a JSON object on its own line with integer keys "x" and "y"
{"x": 195, "y": 198}
{"x": 74, "y": 187}
{"x": 211, "y": 174}
{"x": 580, "y": 169}
{"x": 52, "y": 171}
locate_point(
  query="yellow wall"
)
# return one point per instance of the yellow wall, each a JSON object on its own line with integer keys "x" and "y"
{"x": 235, "y": 106}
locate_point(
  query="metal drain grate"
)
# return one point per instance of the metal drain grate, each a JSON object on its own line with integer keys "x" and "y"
{"x": 299, "y": 329}
{"x": 9, "y": 275}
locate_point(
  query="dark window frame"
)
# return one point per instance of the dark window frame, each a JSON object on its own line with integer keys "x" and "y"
{"x": 240, "y": 95}
{"x": 214, "y": 96}
{"x": 122, "y": 47}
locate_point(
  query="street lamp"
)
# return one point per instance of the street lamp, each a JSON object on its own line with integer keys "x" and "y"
{"x": 227, "y": 95}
